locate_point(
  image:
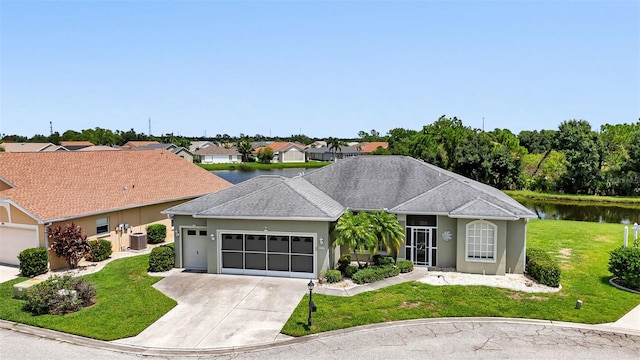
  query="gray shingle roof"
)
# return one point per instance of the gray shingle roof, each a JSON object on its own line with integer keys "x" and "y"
{"x": 398, "y": 183}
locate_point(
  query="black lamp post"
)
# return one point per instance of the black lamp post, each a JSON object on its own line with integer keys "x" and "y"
{"x": 312, "y": 306}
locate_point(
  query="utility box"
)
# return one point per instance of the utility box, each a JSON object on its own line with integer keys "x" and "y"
{"x": 137, "y": 241}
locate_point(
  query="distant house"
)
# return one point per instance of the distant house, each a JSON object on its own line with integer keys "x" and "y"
{"x": 318, "y": 144}
{"x": 178, "y": 150}
{"x": 31, "y": 147}
{"x": 369, "y": 147}
{"x": 197, "y": 145}
{"x": 276, "y": 226}
{"x": 130, "y": 145}
{"x": 285, "y": 152}
{"x": 75, "y": 145}
{"x": 98, "y": 148}
{"x": 326, "y": 154}
{"x": 110, "y": 194}
{"x": 218, "y": 155}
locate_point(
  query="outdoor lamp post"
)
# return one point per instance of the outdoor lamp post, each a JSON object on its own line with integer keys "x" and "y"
{"x": 312, "y": 306}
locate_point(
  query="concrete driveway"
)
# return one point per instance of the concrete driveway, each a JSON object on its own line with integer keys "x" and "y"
{"x": 221, "y": 311}
{"x": 8, "y": 272}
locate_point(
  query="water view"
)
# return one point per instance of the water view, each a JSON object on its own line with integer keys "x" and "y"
{"x": 544, "y": 210}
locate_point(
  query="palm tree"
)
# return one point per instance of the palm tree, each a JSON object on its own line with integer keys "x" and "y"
{"x": 245, "y": 149}
{"x": 354, "y": 231}
{"x": 334, "y": 145}
{"x": 388, "y": 232}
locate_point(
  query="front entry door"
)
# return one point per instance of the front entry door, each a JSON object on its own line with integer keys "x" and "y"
{"x": 422, "y": 245}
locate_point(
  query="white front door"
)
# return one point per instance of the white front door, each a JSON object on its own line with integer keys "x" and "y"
{"x": 194, "y": 249}
{"x": 422, "y": 246}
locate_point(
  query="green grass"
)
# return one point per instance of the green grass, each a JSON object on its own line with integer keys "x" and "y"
{"x": 584, "y": 276}
{"x": 126, "y": 303}
{"x": 619, "y": 201}
{"x": 260, "y": 166}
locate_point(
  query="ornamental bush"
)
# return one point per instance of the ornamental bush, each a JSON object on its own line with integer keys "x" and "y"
{"x": 343, "y": 262}
{"x": 381, "y": 260}
{"x": 59, "y": 295}
{"x": 542, "y": 267}
{"x": 34, "y": 261}
{"x": 156, "y": 233}
{"x": 100, "y": 250}
{"x": 69, "y": 243}
{"x": 350, "y": 270}
{"x": 404, "y": 266}
{"x": 333, "y": 276}
{"x": 162, "y": 258}
{"x": 624, "y": 263}
{"x": 374, "y": 273}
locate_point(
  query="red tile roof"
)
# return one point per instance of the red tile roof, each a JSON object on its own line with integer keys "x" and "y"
{"x": 76, "y": 143}
{"x": 66, "y": 185}
{"x": 368, "y": 147}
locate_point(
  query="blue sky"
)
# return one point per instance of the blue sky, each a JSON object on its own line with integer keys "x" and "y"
{"x": 320, "y": 68}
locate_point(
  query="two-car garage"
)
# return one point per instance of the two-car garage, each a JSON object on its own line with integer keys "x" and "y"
{"x": 250, "y": 252}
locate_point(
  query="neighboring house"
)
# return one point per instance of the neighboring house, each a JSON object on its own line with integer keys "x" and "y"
{"x": 369, "y": 147}
{"x": 178, "y": 150}
{"x": 197, "y": 145}
{"x": 130, "y": 145}
{"x": 31, "y": 147}
{"x": 326, "y": 154}
{"x": 75, "y": 145}
{"x": 318, "y": 144}
{"x": 218, "y": 155}
{"x": 108, "y": 193}
{"x": 277, "y": 226}
{"x": 98, "y": 148}
{"x": 284, "y": 152}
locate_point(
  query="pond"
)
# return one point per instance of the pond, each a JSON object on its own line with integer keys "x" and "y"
{"x": 544, "y": 209}
{"x": 583, "y": 212}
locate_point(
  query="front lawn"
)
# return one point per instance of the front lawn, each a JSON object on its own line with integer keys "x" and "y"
{"x": 126, "y": 303}
{"x": 581, "y": 248}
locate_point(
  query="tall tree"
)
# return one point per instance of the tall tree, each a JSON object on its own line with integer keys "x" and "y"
{"x": 388, "y": 231}
{"x": 355, "y": 232}
{"x": 580, "y": 146}
{"x": 245, "y": 149}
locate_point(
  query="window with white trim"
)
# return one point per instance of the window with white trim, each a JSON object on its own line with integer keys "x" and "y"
{"x": 102, "y": 225}
{"x": 481, "y": 241}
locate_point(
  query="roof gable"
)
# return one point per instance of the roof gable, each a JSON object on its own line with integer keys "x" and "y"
{"x": 82, "y": 183}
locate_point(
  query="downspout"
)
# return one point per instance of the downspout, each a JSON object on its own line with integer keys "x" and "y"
{"x": 46, "y": 243}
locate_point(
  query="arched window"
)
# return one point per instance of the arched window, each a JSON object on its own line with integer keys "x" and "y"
{"x": 481, "y": 241}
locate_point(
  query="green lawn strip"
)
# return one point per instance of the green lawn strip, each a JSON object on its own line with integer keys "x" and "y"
{"x": 126, "y": 303}
{"x": 572, "y": 199}
{"x": 581, "y": 248}
{"x": 261, "y": 166}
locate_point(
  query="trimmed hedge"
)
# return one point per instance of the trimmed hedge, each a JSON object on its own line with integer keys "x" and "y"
{"x": 624, "y": 263}
{"x": 156, "y": 233}
{"x": 405, "y": 266}
{"x": 350, "y": 270}
{"x": 542, "y": 267}
{"x": 343, "y": 262}
{"x": 100, "y": 250}
{"x": 162, "y": 258}
{"x": 333, "y": 276}
{"x": 374, "y": 273}
{"x": 34, "y": 261}
{"x": 381, "y": 260}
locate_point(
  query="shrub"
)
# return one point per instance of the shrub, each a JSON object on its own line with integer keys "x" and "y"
{"x": 34, "y": 261}
{"x": 162, "y": 258}
{"x": 350, "y": 270}
{"x": 333, "y": 276}
{"x": 100, "y": 250}
{"x": 59, "y": 295}
{"x": 156, "y": 233}
{"x": 404, "y": 266}
{"x": 381, "y": 260}
{"x": 374, "y": 274}
{"x": 624, "y": 263}
{"x": 541, "y": 267}
{"x": 343, "y": 262}
{"x": 69, "y": 243}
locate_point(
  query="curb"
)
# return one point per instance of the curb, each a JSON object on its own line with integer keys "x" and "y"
{"x": 197, "y": 352}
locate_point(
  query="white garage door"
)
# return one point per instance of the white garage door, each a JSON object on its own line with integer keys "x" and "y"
{"x": 287, "y": 255}
{"x": 13, "y": 241}
{"x": 194, "y": 249}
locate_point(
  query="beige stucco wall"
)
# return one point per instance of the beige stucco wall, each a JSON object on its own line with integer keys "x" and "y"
{"x": 516, "y": 235}
{"x": 447, "y": 249}
{"x": 496, "y": 267}
{"x": 321, "y": 229}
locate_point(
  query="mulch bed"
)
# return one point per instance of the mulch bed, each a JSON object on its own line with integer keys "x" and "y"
{"x": 621, "y": 283}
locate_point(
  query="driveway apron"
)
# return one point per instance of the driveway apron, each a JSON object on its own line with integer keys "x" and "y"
{"x": 221, "y": 311}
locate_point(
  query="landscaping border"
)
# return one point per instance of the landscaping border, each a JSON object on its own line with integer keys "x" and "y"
{"x": 622, "y": 287}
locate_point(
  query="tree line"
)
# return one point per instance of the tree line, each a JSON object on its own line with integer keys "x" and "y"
{"x": 573, "y": 159}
